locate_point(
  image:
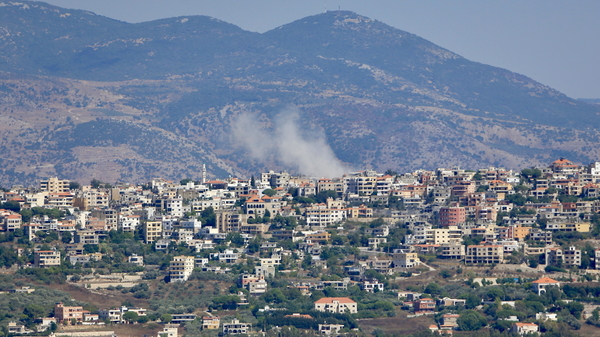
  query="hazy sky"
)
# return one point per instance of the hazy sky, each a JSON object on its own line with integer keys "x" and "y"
{"x": 555, "y": 42}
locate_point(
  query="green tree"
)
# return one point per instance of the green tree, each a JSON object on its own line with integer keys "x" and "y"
{"x": 575, "y": 308}
{"x": 322, "y": 196}
{"x": 391, "y": 172}
{"x": 433, "y": 289}
{"x": 471, "y": 320}
{"x": 269, "y": 192}
{"x": 472, "y": 301}
{"x": 96, "y": 183}
{"x": 208, "y": 217}
{"x": 166, "y": 318}
{"x": 66, "y": 237}
{"x": 11, "y": 205}
{"x": 130, "y": 316}
{"x": 236, "y": 239}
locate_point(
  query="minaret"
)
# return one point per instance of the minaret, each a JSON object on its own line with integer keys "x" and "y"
{"x": 203, "y": 174}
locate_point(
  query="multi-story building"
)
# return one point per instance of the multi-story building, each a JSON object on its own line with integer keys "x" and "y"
{"x": 152, "y": 231}
{"x": 228, "y": 256}
{"x": 173, "y": 206}
{"x": 129, "y": 223}
{"x": 452, "y": 216}
{"x": 452, "y": 250}
{"x": 87, "y": 237}
{"x": 180, "y": 268}
{"x": 258, "y": 286}
{"x": 516, "y": 232}
{"x": 359, "y": 212}
{"x": 229, "y": 221}
{"x": 95, "y": 199}
{"x": 554, "y": 256}
{"x": 541, "y": 236}
{"x": 319, "y": 236}
{"x": 323, "y": 216}
{"x": 424, "y": 305}
{"x": 12, "y": 222}
{"x": 362, "y": 185}
{"x": 236, "y": 328}
{"x": 371, "y": 286}
{"x": 572, "y": 257}
{"x": 210, "y": 322}
{"x": 405, "y": 260}
{"x": 46, "y": 258}
{"x": 439, "y": 236}
{"x": 63, "y": 313}
{"x": 336, "y": 305}
{"x": 484, "y": 254}
{"x": 54, "y": 185}
{"x": 115, "y": 316}
{"x": 108, "y": 215}
{"x": 331, "y": 185}
{"x": 60, "y": 200}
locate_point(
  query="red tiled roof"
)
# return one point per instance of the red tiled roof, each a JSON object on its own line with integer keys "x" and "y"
{"x": 545, "y": 279}
{"x": 335, "y": 299}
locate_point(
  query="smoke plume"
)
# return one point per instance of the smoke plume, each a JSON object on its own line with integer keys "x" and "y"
{"x": 306, "y": 152}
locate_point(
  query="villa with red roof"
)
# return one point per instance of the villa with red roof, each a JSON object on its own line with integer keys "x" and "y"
{"x": 540, "y": 286}
{"x": 336, "y": 305}
{"x": 563, "y": 166}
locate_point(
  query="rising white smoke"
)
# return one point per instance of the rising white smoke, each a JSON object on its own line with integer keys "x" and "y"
{"x": 306, "y": 152}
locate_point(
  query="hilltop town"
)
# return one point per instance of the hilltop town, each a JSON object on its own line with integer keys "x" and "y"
{"x": 497, "y": 251}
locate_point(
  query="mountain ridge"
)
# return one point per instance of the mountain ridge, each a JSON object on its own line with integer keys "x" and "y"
{"x": 377, "y": 96}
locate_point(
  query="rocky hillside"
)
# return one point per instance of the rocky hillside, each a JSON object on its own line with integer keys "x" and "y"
{"x": 84, "y": 96}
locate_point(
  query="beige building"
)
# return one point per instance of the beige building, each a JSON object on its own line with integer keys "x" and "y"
{"x": 211, "y": 322}
{"x": 152, "y": 231}
{"x": 12, "y": 222}
{"x": 484, "y": 254}
{"x": 60, "y": 199}
{"x": 439, "y": 236}
{"x": 181, "y": 268}
{"x": 524, "y": 328}
{"x": 582, "y": 227}
{"x": 405, "y": 260}
{"x": 452, "y": 251}
{"x": 54, "y": 185}
{"x": 46, "y": 258}
{"x": 229, "y": 221}
{"x": 336, "y": 305}
{"x": 362, "y": 185}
